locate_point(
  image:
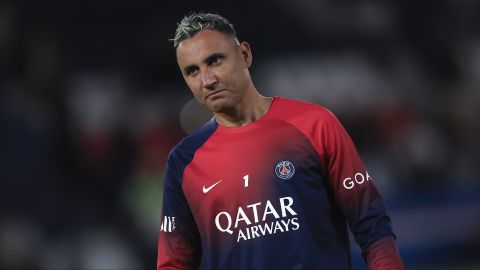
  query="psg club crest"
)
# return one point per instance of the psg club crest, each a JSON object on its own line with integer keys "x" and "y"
{"x": 285, "y": 169}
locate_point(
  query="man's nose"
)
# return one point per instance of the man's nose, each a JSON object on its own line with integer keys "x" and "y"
{"x": 209, "y": 80}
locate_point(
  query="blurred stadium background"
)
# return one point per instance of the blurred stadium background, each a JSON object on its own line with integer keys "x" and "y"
{"x": 91, "y": 102}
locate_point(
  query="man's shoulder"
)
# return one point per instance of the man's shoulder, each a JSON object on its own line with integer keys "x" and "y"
{"x": 190, "y": 143}
{"x": 297, "y": 109}
{"x": 313, "y": 120}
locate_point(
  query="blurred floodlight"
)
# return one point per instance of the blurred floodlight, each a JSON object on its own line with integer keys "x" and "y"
{"x": 193, "y": 115}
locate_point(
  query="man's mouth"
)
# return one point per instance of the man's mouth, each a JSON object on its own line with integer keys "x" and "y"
{"x": 214, "y": 93}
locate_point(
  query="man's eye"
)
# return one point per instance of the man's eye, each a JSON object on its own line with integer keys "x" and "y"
{"x": 216, "y": 60}
{"x": 192, "y": 72}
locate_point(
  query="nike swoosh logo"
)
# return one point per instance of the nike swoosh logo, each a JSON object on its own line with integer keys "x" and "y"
{"x": 205, "y": 190}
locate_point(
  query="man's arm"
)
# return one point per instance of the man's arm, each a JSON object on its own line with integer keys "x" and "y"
{"x": 179, "y": 240}
{"x": 358, "y": 198}
{"x": 383, "y": 255}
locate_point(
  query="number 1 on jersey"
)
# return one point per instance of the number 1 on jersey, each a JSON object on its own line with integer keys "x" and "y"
{"x": 245, "y": 179}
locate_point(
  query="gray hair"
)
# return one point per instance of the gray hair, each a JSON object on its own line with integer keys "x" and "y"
{"x": 196, "y": 22}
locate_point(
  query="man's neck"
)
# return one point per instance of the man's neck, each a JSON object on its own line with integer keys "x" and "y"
{"x": 248, "y": 110}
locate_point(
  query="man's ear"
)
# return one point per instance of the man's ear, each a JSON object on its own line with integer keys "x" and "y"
{"x": 246, "y": 53}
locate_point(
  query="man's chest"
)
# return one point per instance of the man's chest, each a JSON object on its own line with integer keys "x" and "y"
{"x": 234, "y": 170}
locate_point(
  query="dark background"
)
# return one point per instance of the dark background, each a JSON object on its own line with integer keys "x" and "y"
{"x": 92, "y": 101}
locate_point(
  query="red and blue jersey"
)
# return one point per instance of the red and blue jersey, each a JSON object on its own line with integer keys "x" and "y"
{"x": 278, "y": 193}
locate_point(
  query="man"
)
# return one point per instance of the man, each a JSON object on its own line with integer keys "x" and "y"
{"x": 267, "y": 183}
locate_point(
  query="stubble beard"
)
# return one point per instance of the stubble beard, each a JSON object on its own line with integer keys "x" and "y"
{"x": 220, "y": 105}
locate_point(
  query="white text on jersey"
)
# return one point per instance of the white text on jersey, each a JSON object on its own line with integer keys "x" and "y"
{"x": 251, "y": 225}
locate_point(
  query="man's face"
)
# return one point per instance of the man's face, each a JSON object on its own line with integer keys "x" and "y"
{"x": 215, "y": 68}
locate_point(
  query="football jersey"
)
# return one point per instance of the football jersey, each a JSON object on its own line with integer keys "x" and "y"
{"x": 277, "y": 193}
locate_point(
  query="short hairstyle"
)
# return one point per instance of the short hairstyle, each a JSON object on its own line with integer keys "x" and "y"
{"x": 196, "y": 22}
